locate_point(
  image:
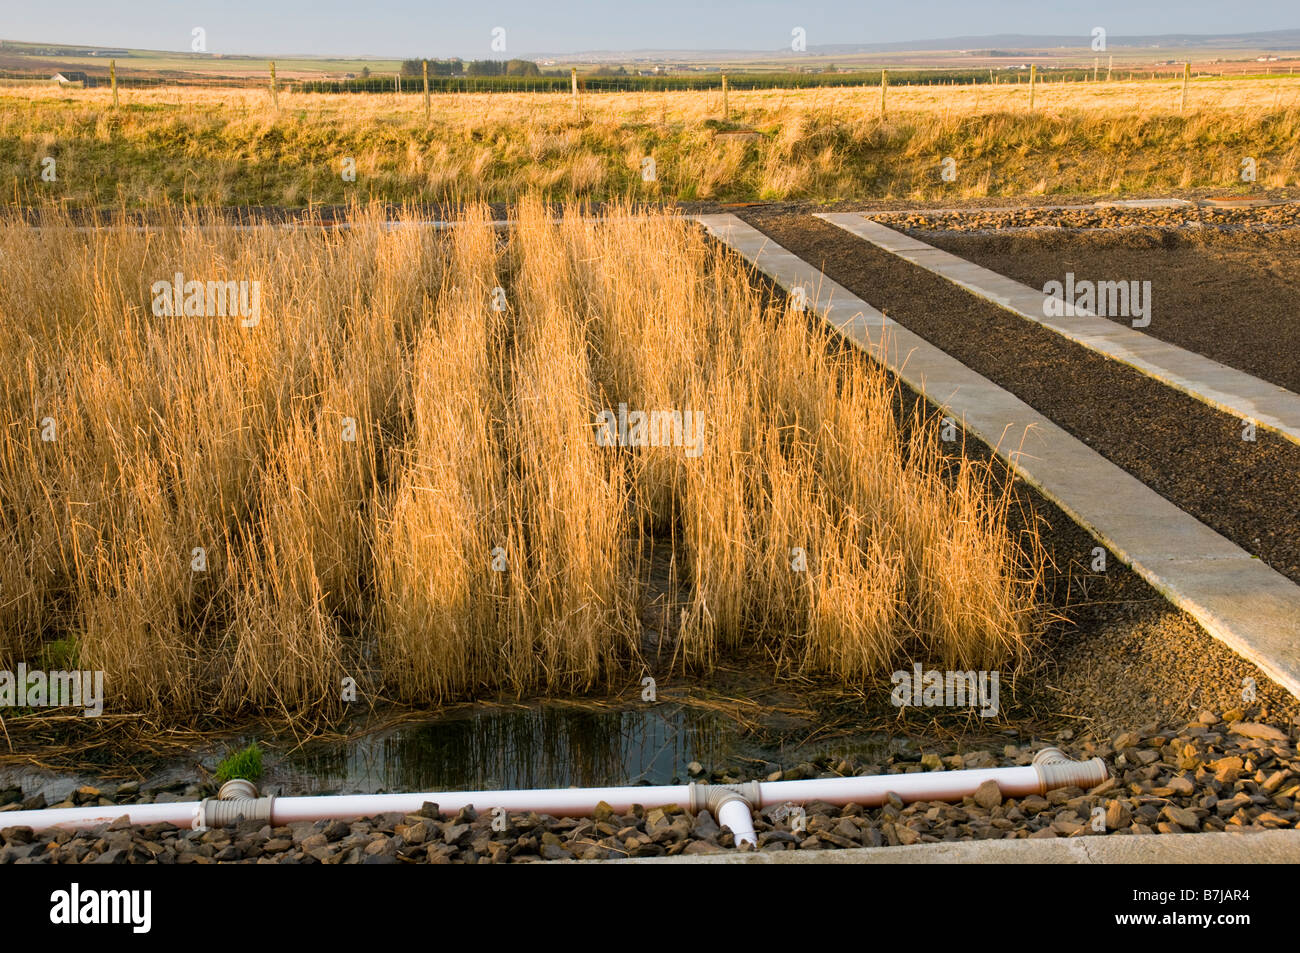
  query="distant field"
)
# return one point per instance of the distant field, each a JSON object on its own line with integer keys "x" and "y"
{"x": 228, "y": 147}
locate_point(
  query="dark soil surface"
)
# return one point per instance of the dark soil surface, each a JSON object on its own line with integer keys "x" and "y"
{"x": 1192, "y": 455}
{"x": 1231, "y": 296}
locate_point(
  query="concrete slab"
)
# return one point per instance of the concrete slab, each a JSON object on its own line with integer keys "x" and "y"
{"x": 1222, "y": 387}
{"x": 1238, "y": 599}
{"x": 1248, "y": 847}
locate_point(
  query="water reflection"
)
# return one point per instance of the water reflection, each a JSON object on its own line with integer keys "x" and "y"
{"x": 541, "y": 747}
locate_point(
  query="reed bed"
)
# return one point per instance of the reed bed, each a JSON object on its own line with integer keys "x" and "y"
{"x": 394, "y": 480}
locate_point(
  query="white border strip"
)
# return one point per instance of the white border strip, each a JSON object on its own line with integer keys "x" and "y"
{"x": 1239, "y": 600}
{"x": 1221, "y": 387}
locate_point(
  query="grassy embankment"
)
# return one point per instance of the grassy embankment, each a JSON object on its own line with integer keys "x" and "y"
{"x": 226, "y": 147}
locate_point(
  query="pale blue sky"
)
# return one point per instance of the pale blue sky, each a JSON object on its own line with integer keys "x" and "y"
{"x": 406, "y": 28}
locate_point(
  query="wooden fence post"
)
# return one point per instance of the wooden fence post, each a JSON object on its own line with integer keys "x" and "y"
{"x": 573, "y": 80}
{"x": 426, "y": 90}
{"x": 726, "y": 110}
{"x": 275, "y": 98}
{"x": 884, "y": 85}
{"x": 112, "y": 79}
{"x": 1033, "y": 73}
{"x": 1187, "y": 73}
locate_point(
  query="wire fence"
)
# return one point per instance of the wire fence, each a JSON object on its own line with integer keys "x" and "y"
{"x": 703, "y": 81}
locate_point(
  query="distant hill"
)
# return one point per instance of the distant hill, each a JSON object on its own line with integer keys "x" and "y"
{"x": 1273, "y": 40}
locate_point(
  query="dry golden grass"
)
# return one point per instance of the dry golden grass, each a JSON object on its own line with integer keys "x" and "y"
{"x": 475, "y": 451}
{"x": 227, "y": 146}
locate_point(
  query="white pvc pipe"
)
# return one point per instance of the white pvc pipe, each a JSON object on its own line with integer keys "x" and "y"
{"x": 871, "y": 790}
{"x": 734, "y": 803}
{"x": 737, "y": 815}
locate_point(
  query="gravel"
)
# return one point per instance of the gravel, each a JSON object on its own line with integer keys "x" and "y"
{"x": 1189, "y": 453}
{"x": 1282, "y": 215}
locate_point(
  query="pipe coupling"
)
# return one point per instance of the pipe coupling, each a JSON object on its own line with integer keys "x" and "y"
{"x": 1055, "y": 770}
{"x": 236, "y": 801}
{"x": 710, "y": 797}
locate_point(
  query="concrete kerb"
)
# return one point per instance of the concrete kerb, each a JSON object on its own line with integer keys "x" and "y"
{"x": 1247, "y": 847}
{"x": 1217, "y": 385}
{"x": 1248, "y": 606}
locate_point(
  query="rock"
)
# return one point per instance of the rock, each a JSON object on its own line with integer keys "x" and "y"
{"x": 456, "y": 834}
{"x": 1181, "y": 786}
{"x": 704, "y": 826}
{"x": 336, "y": 830}
{"x": 1182, "y": 816}
{"x": 932, "y": 762}
{"x": 1253, "y": 729}
{"x": 1118, "y": 816}
{"x": 128, "y": 789}
{"x": 906, "y": 835}
{"x": 1272, "y": 819}
{"x": 988, "y": 795}
{"x": 17, "y": 835}
{"x": 893, "y": 800}
{"x": 1207, "y": 718}
{"x": 1033, "y": 804}
{"x": 846, "y": 828}
{"x": 695, "y": 769}
{"x": 702, "y": 847}
{"x": 603, "y": 812}
{"x": 1128, "y": 739}
{"x": 1227, "y": 770}
{"x": 1274, "y": 781}
{"x": 411, "y": 833}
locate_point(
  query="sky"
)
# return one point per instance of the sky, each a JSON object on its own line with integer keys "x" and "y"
{"x": 400, "y": 28}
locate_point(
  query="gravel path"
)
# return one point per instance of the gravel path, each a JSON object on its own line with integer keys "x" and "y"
{"x": 1215, "y": 773}
{"x": 1189, "y": 453}
{"x": 974, "y": 219}
{"x": 1229, "y": 296}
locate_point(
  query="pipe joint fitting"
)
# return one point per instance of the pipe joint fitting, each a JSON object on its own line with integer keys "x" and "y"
{"x": 1055, "y": 770}
{"x": 236, "y": 801}
{"x": 711, "y": 797}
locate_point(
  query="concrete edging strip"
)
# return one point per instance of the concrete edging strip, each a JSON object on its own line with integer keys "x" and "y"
{"x": 1242, "y": 602}
{"x": 1247, "y": 847}
{"x": 1221, "y": 387}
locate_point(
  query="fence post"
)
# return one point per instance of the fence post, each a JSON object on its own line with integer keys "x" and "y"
{"x": 1110, "y": 65}
{"x": 726, "y": 111}
{"x": 275, "y": 98}
{"x": 1033, "y": 73}
{"x": 1187, "y": 73}
{"x": 884, "y": 85}
{"x": 112, "y": 79}
{"x": 426, "y": 90}
{"x": 573, "y": 80}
